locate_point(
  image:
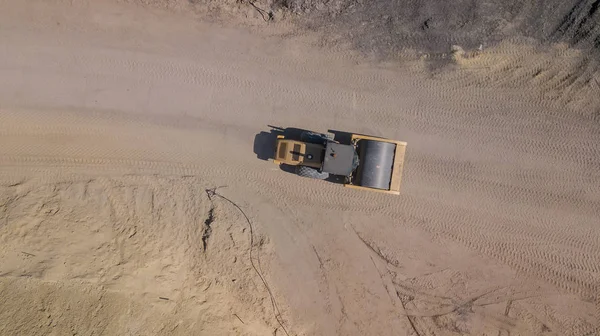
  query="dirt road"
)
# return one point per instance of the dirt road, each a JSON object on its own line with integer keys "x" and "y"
{"x": 114, "y": 121}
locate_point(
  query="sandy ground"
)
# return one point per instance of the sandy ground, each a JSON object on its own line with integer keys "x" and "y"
{"x": 116, "y": 120}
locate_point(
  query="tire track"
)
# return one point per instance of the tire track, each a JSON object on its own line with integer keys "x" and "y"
{"x": 514, "y": 255}
{"x": 310, "y": 196}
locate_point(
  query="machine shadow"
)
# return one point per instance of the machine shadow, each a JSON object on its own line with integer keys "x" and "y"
{"x": 264, "y": 145}
{"x": 341, "y": 136}
{"x": 345, "y": 137}
{"x": 332, "y": 178}
{"x": 264, "y": 142}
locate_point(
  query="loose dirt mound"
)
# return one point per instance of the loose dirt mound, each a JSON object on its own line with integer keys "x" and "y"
{"x": 552, "y": 47}
{"x": 125, "y": 256}
{"x": 518, "y": 43}
{"x": 388, "y": 27}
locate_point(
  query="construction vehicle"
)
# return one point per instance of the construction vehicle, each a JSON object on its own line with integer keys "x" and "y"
{"x": 366, "y": 162}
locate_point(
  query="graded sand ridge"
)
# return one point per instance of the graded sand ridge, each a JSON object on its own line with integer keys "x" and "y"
{"x": 117, "y": 121}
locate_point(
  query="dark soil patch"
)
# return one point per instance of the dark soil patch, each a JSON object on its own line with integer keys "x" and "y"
{"x": 386, "y": 27}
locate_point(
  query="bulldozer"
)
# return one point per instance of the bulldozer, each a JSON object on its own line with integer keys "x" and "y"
{"x": 364, "y": 162}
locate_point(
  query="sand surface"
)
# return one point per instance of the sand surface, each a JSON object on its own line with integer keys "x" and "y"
{"x": 117, "y": 121}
